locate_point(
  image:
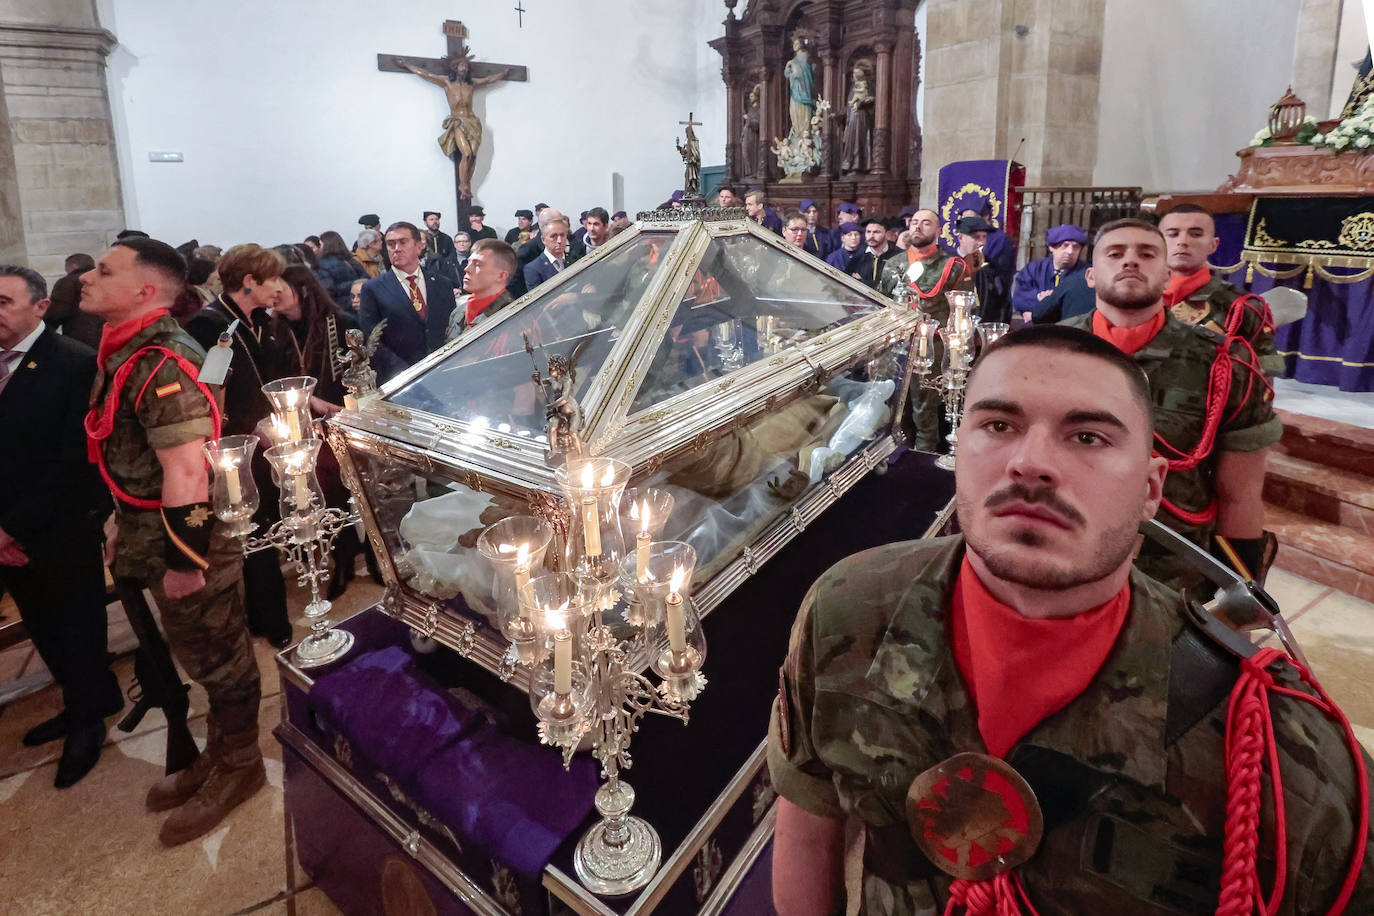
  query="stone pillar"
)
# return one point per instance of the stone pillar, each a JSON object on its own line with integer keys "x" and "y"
{"x": 12, "y": 248}
{"x": 882, "y": 110}
{"x": 1314, "y": 55}
{"x": 59, "y": 130}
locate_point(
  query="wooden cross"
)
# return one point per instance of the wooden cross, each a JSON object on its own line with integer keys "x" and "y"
{"x": 455, "y": 33}
{"x": 689, "y": 122}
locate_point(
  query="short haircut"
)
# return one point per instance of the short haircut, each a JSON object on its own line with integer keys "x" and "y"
{"x": 464, "y": 233}
{"x": 332, "y": 243}
{"x": 503, "y": 254}
{"x": 208, "y": 252}
{"x": 243, "y": 261}
{"x": 599, "y": 213}
{"x": 161, "y": 258}
{"x": 1076, "y": 340}
{"x": 553, "y": 222}
{"x": 875, "y": 222}
{"x": 757, "y": 194}
{"x": 131, "y": 234}
{"x": 402, "y": 225}
{"x": 1129, "y": 222}
{"x": 313, "y": 240}
{"x": 79, "y": 262}
{"x": 791, "y": 215}
{"x": 367, "y": 237}
{"x": 1189, "y": 208}
{"x": 725, "y": 187}
{"x": 38, "y": 287}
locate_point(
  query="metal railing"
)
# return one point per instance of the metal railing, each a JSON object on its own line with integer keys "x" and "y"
{"x": 1089, "y": 208}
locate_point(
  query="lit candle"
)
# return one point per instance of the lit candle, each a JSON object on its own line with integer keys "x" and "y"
{"x": 231, "y": 479}
{"x": 300, "y": 481}
{"x": 642, "y": 544}
{"x": 591, "y": 522}
{"x": 923, "y": 341}
{"x": 562, "y": 652}
{"x": 677, "y": 623}
{"x": 280, "y": 431}
{"x": 293, "y": 418}
{"x": 522, "y": 575}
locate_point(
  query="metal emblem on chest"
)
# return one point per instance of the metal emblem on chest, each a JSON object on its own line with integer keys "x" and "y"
{"x": 974, "y": 816}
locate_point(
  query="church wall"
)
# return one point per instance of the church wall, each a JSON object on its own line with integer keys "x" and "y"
{"x": 287, "y": 127}
{"x": 1184, "y": 85}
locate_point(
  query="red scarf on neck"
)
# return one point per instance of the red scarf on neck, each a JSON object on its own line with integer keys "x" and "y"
{"x": 1181, "y": 286}
{"x": 114, "y": 336}
{"x": 476, "y": 306}
{"x": 1021, "y": 670}
{"x": 1128, "y": 340}
{"x": 914, "y": 254}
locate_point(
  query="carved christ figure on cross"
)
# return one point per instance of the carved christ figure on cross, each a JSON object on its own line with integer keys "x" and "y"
{"x": 462, "y": 131}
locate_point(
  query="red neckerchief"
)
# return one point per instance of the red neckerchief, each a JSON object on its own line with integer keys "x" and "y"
{"x": 1021, "y": 670}
{"x": 1181, "y": 286}
{"x": 476, "y": 306}
{"x": 920, "y": 254}
{"x": 114, "y": 336}
{"x": 1128, "y": 340}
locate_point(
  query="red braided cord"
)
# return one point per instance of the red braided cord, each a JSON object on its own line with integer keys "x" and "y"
{"x": 1250, "y": 745}
{"x": 1002, "y": 895}
{"x": 939, "y": 286}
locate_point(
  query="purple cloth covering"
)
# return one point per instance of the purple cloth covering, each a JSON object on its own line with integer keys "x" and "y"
{"x": 391, "y": 712}
{"x": 513, "y": 798}
{"x": 1334, "y": 343}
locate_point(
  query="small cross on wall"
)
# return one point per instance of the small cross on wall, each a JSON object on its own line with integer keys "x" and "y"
{"x": 520, "y": 12}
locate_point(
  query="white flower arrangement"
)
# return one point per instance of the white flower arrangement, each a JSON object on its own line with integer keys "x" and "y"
{"x": 1355, "y": 132}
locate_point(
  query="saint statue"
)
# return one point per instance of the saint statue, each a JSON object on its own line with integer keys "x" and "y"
{"x": 691, "y": 162}
{"x": 462, "y": 131}
{"x": 858, "y": 125}
{"x": 801, "y": 83}
{"x": 749, "y": 136}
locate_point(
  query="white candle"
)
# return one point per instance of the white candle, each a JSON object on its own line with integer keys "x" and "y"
{"x": 522, "y": 576}
{"x": 591, "y": 522}
{"x": 303, "y": 494}
{"x": 293, "y": 423}
{"x": 642, "y": 545}
{"x": 231, "y": 480}
{"x": 677, "y": 623}
{"x": 922, "y": 344}
{"x": 562, "y": 657}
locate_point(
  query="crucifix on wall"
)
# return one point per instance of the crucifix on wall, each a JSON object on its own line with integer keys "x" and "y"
{"x": 458, "y": 75}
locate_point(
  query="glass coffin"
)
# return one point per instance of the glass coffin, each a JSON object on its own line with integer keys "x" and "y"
{"x": 746, "y": 383}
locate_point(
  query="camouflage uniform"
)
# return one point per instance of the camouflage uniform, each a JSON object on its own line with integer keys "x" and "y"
{"x": 1178, "y": 362}
{"x": 1209, "y": 306}
{"x": 871, "y": 697}
{"x": 925, "y": 402}
{"x": 206, "y": 629}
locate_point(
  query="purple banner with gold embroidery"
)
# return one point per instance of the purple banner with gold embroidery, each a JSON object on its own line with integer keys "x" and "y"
{"x": 989, "y": 187}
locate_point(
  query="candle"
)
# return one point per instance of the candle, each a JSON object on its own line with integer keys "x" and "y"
{"x": 591, "y": 522}
{"x": 642, "y": 545}
{"x": 922, "y": 343}
{"x": 677, "y": 623}
{"x": 562, "y": 652}
{"x": 280, "y": 431}
{"x": 304, "y": 497}
{"x": 231, "y": 480}
{"x": 293, "y": 417}
{"x": 522, "y": 575}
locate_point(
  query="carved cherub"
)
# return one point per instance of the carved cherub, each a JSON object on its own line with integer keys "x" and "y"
{"x": 563, "y": 415}
{"x": 358, "y": 376}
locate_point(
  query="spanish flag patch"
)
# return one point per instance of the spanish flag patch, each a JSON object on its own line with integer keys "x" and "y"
{"x": 165, "y": 390}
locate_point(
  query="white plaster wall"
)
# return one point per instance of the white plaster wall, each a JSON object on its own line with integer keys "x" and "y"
{"x": 288, "y": 128}
{"x": 1186, "y": 83}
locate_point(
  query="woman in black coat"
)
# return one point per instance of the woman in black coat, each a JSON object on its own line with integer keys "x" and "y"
{"x": 338, "y": 268}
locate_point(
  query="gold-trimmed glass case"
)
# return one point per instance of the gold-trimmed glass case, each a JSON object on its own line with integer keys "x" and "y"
{"x": 750, "y": 379}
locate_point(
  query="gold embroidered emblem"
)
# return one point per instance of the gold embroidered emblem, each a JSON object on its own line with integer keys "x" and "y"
{"x": 197, "y": 517}
{"x": 1188, "y": 313}
{"x": 31, "y": 365}
{"x": 1357, "y": 231}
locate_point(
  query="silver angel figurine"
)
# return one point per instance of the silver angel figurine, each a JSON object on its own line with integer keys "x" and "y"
{"x": 358, "y": 375}
{"x": 562, "y": 414}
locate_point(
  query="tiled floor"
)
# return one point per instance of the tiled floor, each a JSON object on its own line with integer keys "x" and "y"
{"x": 111, "y": 862}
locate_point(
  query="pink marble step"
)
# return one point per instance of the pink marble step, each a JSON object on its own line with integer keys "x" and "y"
{"x": 1322, "y": 493}
{"x": 1322, "y": 552}
{"x": 1326, "y": 442}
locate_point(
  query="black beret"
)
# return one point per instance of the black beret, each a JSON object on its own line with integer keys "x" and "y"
{"x": 369, "y": 219}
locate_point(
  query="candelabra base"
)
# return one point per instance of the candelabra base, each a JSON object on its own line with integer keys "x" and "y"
{"x": 946, "y": 462}
{"x": 610, "y": 869}
{"x": 322, "y": 648}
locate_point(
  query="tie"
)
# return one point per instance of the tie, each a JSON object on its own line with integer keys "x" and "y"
{"x": 416, "y": 299}
{"x": 557, "y": 265}
{"x": 6, "y": 357}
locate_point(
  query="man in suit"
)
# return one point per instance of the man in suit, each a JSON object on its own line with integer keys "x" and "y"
{"x": 51, "y": 507}
{"x": 415, "y": 304}
{"x": 553, "y": 259}
{"x": 486, "y": 278}
{"x": 532, "y": 249}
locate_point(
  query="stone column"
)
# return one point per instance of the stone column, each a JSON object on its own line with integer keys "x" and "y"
{"x": 882, "y": 113}
{"x": 1314, "y": 55}
{"x": 60, "y": 134}
{"x": 12, "y": 247}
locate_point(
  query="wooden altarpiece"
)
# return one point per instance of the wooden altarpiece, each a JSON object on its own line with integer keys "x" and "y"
{"x": 876, "y": 35}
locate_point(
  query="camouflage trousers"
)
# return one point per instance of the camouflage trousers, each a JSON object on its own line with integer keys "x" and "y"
{"x": 208, "y": 635}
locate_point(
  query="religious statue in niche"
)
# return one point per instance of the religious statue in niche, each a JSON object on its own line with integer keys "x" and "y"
{"x": 749, "y": 136}
{"x": 462, "y": 131}
{"x": 801, "y": 87}
{"x": 691, "y": 162}
{"x": 855, "y": 151}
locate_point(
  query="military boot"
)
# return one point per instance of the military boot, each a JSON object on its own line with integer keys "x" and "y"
{"x": 235, "y": 775}
{"x": 176, "y": 789}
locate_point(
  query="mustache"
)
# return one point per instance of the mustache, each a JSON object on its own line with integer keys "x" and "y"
{"x": 1042, "y": 495}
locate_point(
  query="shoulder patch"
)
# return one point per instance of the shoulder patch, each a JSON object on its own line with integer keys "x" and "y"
{"x": 166, "y": 390}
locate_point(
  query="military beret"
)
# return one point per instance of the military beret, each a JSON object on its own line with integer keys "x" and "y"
{"x": 619, "y": 214}
{"x": 476, "y": 211}
{"x": 970, "y": 224}
{"x": 428, "y": 213}
{"x": 847, "y": 207}
{"x": 850, "y": 227}
{"x": 527, "y": 214}
{"x": 369, "y": 219}
{"x": 538, "y": 207}
{"x": 677, "y": 195}
{"x": 806, "y": 204}
{"x": 1065, "y": 232}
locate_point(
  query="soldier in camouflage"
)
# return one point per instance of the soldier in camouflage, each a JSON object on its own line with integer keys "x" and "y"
{"x": 1033, "y": 639}
{"x": 149, "y": 420}
{"x": 1198, "y": 295}
{"x": 923, "y": 269}
{"x": 1217, "y": 490}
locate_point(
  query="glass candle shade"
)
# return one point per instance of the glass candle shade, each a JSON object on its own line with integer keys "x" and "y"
{"x": 644, "y": 512}
{"x": 926, "y": 333}
{"x": 560, "y": 601}
{"x": 593, "y": 487}
{"x": 678, "y": 644}
{"x": 993, "y": 331}
{"x": 300, "y": 495}
{"x": 962, "y": 303}
{"x": 563, "y": 716}
{"x": 232, "y": 490}
{"x": 652, "y": 590}
{"x": 290, "y": 397}
{"x": 515, "y": 548}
